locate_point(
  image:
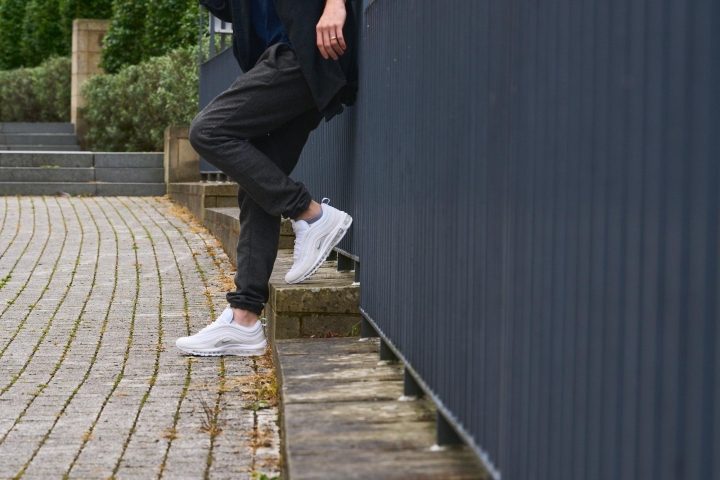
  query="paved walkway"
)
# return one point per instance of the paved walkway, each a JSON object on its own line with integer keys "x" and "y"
{"x": 93, "y": 293}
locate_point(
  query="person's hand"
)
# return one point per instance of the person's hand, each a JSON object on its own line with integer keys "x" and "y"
{"x": 330, "y": 40}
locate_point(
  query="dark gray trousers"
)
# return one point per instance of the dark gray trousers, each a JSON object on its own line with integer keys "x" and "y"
{"x": 254, "y": 132}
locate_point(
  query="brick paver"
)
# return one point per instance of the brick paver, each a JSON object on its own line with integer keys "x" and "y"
{"x": 93, "y": 293}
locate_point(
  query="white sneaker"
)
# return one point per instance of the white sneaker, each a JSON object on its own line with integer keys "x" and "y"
{"x": 225, "y": 338}
{"x": 314, "y": 241}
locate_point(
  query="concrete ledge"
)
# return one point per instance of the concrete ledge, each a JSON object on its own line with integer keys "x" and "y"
{"x": 38, "y": 188}
{"x": 47, "y": 174}
{"x": 197, "y": 196}
{"x": 129, "y": 160}
{"x": 130, "y": 189}
{"x": 341, "y": 417}
{"x": 38, "y": 139}
{"x": 43, "y": 159}
{"x": 37, "y": 127}
{"x": 132, "y": 175}
{"x": 37, "y": 148}
{"x": 324, "y": 305}
{"x": 83, "y": 188}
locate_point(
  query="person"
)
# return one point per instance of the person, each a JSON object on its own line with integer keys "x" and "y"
{"x": 299, "y": 64}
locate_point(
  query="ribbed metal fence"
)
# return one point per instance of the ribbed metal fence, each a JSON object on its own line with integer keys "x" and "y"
{"x": 536, "y": 193}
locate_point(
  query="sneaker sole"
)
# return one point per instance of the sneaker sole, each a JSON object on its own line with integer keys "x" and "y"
{"x": 337, "y": 235}
{"x": 227, "y": 350}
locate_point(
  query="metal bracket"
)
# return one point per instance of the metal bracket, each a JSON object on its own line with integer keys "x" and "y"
{"x": 411, "y": 388}
{"x": 386, "y": 352}
{"x": 367, "y": 330}
{"x": 446, "y": 434}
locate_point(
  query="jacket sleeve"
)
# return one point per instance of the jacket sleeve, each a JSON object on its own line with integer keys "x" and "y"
{"x": 219, "y": 8}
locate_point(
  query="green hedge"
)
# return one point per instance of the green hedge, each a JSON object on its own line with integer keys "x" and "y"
{"x": 42, "y": 37}
{"x": 39, "y": 94}
{"x": 129, "y": 110}
{"x": 123, "y": 44}
{"x": 142, "y": 29}
{"x": 170, "y": 24}
{"x": 33, "y": 30}
{"x": 12, "y": 13}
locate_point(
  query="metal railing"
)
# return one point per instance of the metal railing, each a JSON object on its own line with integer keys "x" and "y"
{"x": 218, "y": 69}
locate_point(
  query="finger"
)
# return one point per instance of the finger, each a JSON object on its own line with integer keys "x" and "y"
{"x": 336, "y": 45}
{"x": 320, "y": 45}
{"x": 328, "y": 45}
{"x": 341, "y": 38}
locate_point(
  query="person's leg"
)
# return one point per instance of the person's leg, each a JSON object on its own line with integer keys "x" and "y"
{"x": 260, "y": 101}
{"x": 259, "y": 230}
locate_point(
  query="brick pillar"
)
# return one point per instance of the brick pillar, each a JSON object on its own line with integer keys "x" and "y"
{"x": 86, "y": 49}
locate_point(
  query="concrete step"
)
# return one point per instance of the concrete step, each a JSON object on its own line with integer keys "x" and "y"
{"x": 344, "y": 413}
{"x": 130, "y": 189}
{"x": 129, "y": 175}
{"x": 326, "y": 304}
{"x": 43, "y": 148}
{"x": 38, "y": 139}
{"x": 197, "y": 196}
{"x": 44, "y": 159}
{"x": 128, "y": 160}
{"x": 39, "y": 127}
{"x": 79, "y": 188}
{"x": 47, "y": 174}
{"x": 46, "y": 188}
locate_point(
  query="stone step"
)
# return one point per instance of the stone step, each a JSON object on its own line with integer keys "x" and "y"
{"x": 38, "y": 139}
{"x": 41, "y": 148}
{"x": 43, "y": 159}
{"x": 39, "y": 127}
{"x": 49, "y": 174}
{"x": 46, "y": 188}
{"x": 130, "y": 189}
{"x": 343, "y": 415}
{"x": 128, "y": 160}
{"x": 129, "y": 175}
{"x": 81, "y": 159}
{"x": 326, "y": 304}
{"x": 80, "y": 188}
{"x": 198, "y": 196}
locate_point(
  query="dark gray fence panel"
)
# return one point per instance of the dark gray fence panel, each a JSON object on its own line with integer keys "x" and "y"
{"x": 536, "y": 194}
{"x": 216, "y": 75}
{"x": 327, "y": 164}
{"x": 535, "y": 189}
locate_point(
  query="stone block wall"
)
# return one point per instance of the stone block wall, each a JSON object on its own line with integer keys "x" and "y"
{"x": 86, "y": 54}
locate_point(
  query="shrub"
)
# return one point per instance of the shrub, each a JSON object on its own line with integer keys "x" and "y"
{"x": 41, "y": 32}
{"x": 123, "y": 44}
{"x": 39, "y": 94}
{"x": 12, "y": 13}
{"x": 141, "y": 29}
{"x": 170, "y": 24}
{"x": 129, "y": 110}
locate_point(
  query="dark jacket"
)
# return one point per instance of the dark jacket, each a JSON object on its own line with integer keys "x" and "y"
{"x": 333, "y": 83}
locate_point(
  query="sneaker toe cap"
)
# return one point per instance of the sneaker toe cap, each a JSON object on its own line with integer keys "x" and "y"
{"x": 182, "y": 343}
